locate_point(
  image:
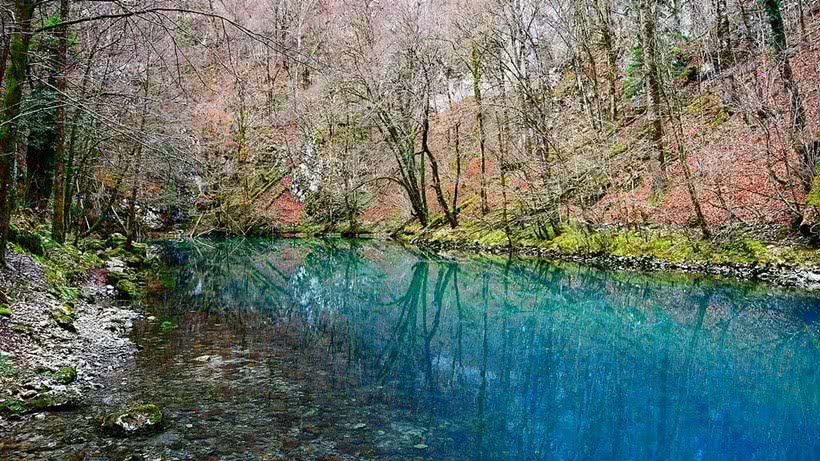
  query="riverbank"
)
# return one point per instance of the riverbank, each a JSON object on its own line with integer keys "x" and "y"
{"x": 781, "y": 262}
{"x": 65, "y": 315}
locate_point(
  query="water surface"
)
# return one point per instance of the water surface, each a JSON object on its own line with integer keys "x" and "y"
{"x": 347, "y": 349}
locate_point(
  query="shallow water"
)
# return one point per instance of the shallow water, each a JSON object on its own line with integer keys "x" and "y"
{"x": 346, "y": 349}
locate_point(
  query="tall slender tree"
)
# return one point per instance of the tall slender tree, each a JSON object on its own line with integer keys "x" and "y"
{"x": 15, "y": 77}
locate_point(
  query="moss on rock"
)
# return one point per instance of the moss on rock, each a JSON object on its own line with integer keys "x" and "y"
{"x": 65, "y": 316}
{"x": 53, "y": 400}
{"x": 126, "y": 289}
{"x": 13, "y": 407}
{"x": 65, "y": 375}
{"x": 137, "y": 418}
{"x": 5, "y": 311}
{"x": 28, "y": 240}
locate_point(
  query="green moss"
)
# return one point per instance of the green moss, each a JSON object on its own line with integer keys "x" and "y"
{"x": 21, "y": 328}
{"x": 494, "y": 238}
{"x": 115, "y": 240}
{"x": 65, "y": 375}
{"x": 167, "y": 326}
{"x": 668, "y": 245}
{"x": 136, "y": 418}
{"x": 720, "y": 119}
{"x": 5, "y": 311}
{"x": 65, "y": 316}
{"x": 52, "y": 400}
{"x": 7, "y": 368}
{"x": 126, "y": 289}
{"x": 13, "y": 407}
{"x": 706, "y": 103}
{"x": 168, "y": 279}
{"x": 813, "y": 197}
{"x": 617, "y": 149}
{"x": 27, "y": 239}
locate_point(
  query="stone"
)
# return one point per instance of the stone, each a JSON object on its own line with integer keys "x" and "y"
{"x": 65, "y": 375}
{"x": 54, "y": 400}
{"x": 64, "y": 316}
{"x": 115, "y": 240}
{"x": 126, "y": 289}
{"x": 136, "y": 419}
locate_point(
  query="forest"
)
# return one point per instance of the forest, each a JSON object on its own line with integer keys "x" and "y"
{"x": 345, "y": 230}
{"x": 520, "y": 118}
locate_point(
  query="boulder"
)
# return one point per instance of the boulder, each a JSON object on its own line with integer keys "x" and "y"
{"x": 135, "y": 419}
{"x": 53, "y": 400}
{"x": 126, "y": 289}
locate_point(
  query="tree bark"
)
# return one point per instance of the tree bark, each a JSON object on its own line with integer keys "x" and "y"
{"x": 482, "y": 135}
{"x": 649, "y": 13}
{"x": 58, "y": 218}
{"x": 15, "y": 77}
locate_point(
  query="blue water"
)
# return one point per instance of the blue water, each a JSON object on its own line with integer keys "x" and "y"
{"x": 505, "y": 359}
{"x": 335, "y": 350}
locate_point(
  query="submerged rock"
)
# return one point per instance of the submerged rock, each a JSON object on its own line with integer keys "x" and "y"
{"x": 54, "y": 400}
{"x": 136, "y": 419}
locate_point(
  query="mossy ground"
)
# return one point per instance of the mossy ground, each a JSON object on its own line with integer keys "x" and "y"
{"x": 65, "y": 264}
{"x": 672, "y": 245}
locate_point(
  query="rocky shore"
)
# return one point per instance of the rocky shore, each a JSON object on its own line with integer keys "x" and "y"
{"x": 788, "y": 276}
{"x": 54, "y": 352}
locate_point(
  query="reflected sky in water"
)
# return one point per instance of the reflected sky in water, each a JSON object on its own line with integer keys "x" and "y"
{"x": 520, "y": 360}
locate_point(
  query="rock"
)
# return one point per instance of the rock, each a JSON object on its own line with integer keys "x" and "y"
{"x": 89, "y": 295}
{"x": 136, "y": 419}
{"x": 92, "y": 245}
{"x": 54, "y": 400}
{"x": 311, "y": 429}
{"x": 126, "y": 289}
{"x": 64, "y": 316}
{"x": 115, "y": 240}
{"x": 359, "y": 426}
{"x": 27, "y": 239}
{"x": 12, "y": 407}
{"x": 65, "y": 375}
{"x": 22, "y": 328}
{"x": 140, "y": 249}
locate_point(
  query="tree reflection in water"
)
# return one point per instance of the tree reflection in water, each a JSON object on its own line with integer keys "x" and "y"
{"x": 535, "y": 360}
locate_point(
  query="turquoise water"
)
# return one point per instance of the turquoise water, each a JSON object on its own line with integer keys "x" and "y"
{"x": 500, "y": 359}
{"x": 333, "y": 350}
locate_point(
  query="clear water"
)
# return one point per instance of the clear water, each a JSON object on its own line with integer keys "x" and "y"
{"x": 345, "y": 349}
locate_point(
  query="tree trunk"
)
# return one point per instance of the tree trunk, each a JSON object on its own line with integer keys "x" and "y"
{"x": 135, "y": 187}
{"x": 58, "y": 218}
{"x": 797, "y": 114}
{"x": 452, "y": 218}
{"x": 482, "y": 135}
{"x": 15, "y": 77}
{"x": 649, "y": 12}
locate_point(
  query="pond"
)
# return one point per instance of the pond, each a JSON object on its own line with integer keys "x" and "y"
{"x": 354, "y": 349}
